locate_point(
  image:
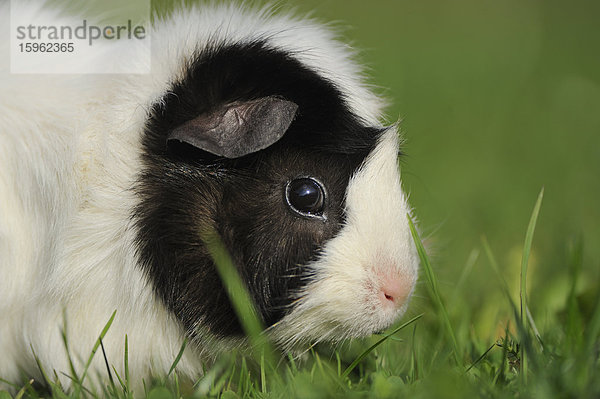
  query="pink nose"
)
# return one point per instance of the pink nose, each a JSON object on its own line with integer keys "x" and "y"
{"x": 394, "y": 290}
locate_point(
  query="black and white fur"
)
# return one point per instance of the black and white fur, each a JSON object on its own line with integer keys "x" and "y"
{"x": 98, "y": 213}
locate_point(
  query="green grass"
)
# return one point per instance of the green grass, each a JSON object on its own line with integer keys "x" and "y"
{"x": 433, "y": 354}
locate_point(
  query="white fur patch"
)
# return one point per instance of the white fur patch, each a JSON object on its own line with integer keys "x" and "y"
{"x": 68, "y": 159}
{"x": 343, "y": 300}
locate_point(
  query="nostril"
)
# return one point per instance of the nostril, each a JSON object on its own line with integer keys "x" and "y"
{"x": 394, "y": 291}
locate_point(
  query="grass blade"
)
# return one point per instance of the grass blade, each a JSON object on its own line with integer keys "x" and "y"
{"x": 95, "y": 348}
{"x": 65, "y": 340}
{"x": 506, "y": 290}
{"x": 110, "y": 377}
{"x": 469, "y": 265}
{"x": 376, "y": 344}
{"x": 10, "y": 384}
{"x": 494, "y": 264}
{"x": 415, "y": 364}
{"x": 239, "y": 297}
{"x": 177, "y": 358}
{"x": 523, "y": 289}
{"x": 433, "y": 289}
{"x": 480, "y": 358}
{"x": 41, "y": 368}
{"x": 21, "y": 392}
{"x": 126, "y": 366}
{"x": 263, "y": 377}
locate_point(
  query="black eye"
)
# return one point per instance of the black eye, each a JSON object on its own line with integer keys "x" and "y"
{"x": 305, "y": 196}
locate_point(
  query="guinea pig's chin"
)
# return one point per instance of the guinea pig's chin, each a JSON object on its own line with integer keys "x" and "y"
{"x": 307, "y": 325}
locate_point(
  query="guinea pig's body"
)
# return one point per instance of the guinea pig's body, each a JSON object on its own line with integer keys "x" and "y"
{"x": 108, "y": 185}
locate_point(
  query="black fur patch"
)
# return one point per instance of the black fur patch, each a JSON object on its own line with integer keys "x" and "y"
{"x": 184, "y": 191}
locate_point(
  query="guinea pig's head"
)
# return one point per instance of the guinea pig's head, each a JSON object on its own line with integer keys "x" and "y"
{"x": 304, "y": 194}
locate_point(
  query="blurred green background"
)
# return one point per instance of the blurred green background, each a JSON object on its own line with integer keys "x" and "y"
{"x": 497, "y": 99}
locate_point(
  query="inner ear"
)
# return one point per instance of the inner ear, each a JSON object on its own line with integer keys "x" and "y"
{"x": 236, "y": 129}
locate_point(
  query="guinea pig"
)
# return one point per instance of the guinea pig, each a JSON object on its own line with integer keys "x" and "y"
{"x": 256, "y": 125}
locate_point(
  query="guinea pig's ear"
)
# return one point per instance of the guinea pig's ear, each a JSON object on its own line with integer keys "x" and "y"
{"x": 238, "y": 128}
